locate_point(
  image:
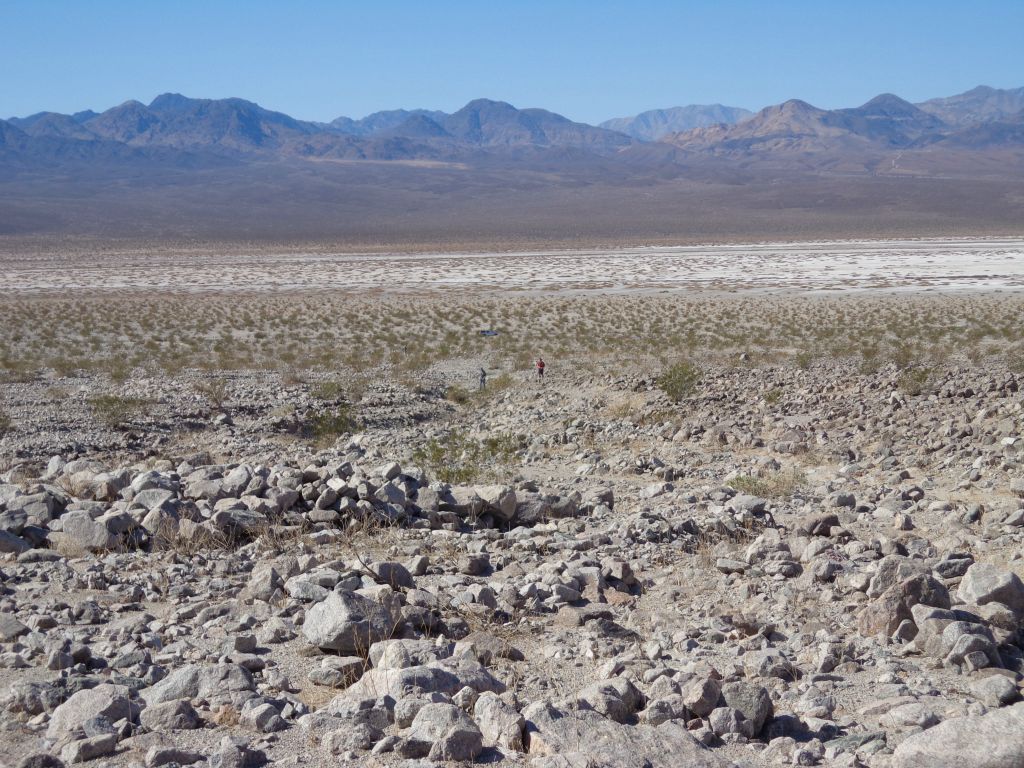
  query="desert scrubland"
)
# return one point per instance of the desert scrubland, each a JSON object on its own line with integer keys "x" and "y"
{"x": 765, "y": 508}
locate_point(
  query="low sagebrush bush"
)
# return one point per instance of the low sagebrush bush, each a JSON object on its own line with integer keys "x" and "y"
{"x": 328, "y": 391}
{"x": 215, "y": 391}
{"x": 776, "y": 485}
{"x": 679, "y": 380}
{"x": 457, "y": 394}
{"x": 116, "y": 410}
{"x": 1014, "y": 357}
{"x": 804, "y": 359}
{"x": 325, "y": 428}
{"x": 916, "y": 381}
{"x": 461, "y": 459}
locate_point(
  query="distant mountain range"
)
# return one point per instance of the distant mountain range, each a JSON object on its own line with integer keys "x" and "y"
{"x": 656, "y": 123}
{"x": 241, "y": 127}
{"x": 978, "y": 105}
{"x": 886, "y": 121}
{"x": 981, "y": 118}
{"x": 178, "y": 161}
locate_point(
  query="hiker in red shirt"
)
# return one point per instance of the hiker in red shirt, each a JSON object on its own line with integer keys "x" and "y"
{"x": 540, "y": 368}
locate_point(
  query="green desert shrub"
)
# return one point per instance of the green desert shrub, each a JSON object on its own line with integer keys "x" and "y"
{"x": 326, "y": 427}
{"x": 457, "y": 394}
{"x": 1014, "y": 357}
{"x": 679, "y": 380}
{"x": 328, "y": 391}
{"x": 774, "y": 485}
{"x": 215, "y": 391}
{"x": 916, "y": 381}
{"x": 116, "y": 411}
{"x": 459, "y": 458}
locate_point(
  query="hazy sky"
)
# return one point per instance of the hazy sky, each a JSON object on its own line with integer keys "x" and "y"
{"x": 589, "y": 60}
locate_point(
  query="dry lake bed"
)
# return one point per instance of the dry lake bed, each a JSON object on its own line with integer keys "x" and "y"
{"x": 919, "y": 264}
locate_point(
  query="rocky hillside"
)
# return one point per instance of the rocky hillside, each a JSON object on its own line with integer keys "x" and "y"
{"x": 782, "y": 566}
{"x": 978, "y": 105}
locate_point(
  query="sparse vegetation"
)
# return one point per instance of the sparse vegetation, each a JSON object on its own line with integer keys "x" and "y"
{"x": 804, "y": 359}
{"x": 916, "y": 381}
{"x": 329, "y": 391}
{"x": 5, "y": 423}
{"x": 624, "y": 408}
{"x": 116, "y": 411}
{"x": 679, "y": 381}
{"x": 599, "y": 426}
{"x": 326, "y": 427}
{"x": 456, "y": 394}
{"x": 1014, "y": 357}
{"x": 306, "y": 338}
{"x": 57, "y": 393}
{"x": 773, "y": 485}
{"x": 215, "y": 391}
{"x": 460, "y": 459}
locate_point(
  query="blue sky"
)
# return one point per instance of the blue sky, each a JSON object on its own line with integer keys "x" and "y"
{"x": 588, "y": 60}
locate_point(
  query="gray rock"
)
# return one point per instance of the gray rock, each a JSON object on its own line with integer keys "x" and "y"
{"x": 500, "y": 723}
{"x": 348, "y": 623}
{"x": 586, "y": 738}
{"x": 701, "y": 696}
{"x": 447, "y": 733}
{"x": 499, "y": 501}
{"x": 216, "y": 683}
{"x": 170, "y": 716}
{"x": 751, "y": 700}
{"x": 263, "y": 718}
{"x": 12, "y": 544}
{"x": 446, "y": 676}
{"x": 995, "y": 740}
{"x": 994, "y": 690}
{"x": 985, "y": 583}
{"x": 87, "y": 533}
{"x": 160, "y": 756}
{"x": 111, "y": 701}
{"x": 11, "y": 628}
{"x": 89, "y": 749}
{"x": 40, "y": 760}
{"x": 729, "y": 720}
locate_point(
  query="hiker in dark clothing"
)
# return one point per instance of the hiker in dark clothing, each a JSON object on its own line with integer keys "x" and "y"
{"x": 483, "y": 379}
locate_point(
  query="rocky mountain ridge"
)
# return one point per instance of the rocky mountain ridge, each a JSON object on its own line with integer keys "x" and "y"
{"x": 239, "y": 128}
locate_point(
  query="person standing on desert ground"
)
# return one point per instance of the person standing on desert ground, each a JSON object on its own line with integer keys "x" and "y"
{"x": 483, "y": 379}
{"x": 540, "y": 369}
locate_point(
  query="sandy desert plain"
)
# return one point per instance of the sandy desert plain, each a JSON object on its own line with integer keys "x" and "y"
{"x": 766, "y": 508}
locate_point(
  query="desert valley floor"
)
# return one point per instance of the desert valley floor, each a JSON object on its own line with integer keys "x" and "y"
{"x": 765, "y": 508}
